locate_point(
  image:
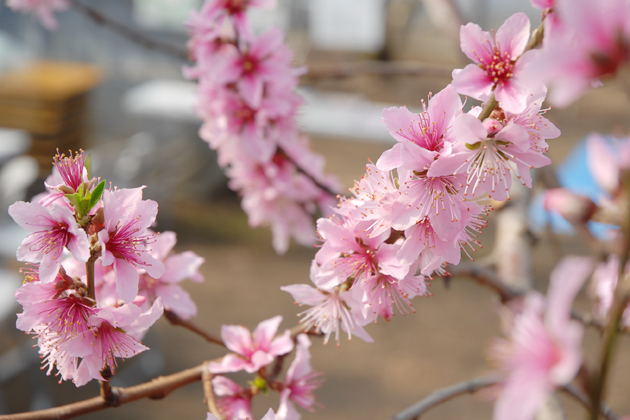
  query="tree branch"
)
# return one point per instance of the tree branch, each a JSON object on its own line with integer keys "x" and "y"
{"x": 579, "y": 396}
{"x": 174, "y": 319}
{"x": 156, "y": 389}
{"x": 442, "y": 395}
{"x": 486, "y": 277}
{"x": 206, "y": 377}
{"x": 129, "y": 33}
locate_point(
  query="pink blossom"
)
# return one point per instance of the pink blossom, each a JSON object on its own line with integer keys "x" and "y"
{"x": 125, "y": 236}
{"x": 178, "y": 267}
{"x": 589, "y": 40}
{"x": 52, "y": 229}
{"x": 498, "y": 64}
{"x": 217, "y": 10}
{"x": 299, "y": 383}
{"x": 267, "y": 59}
{"x": 487, "y": 153}
{"x": 43, "y": 9}
{"x": 330, "y": 311}
{"x": 380, "y": 293}
{"x": 544, "y": 349}
{"x": 230, "y": 400}
{"x": 114, "y": 331}
{"x": 252, "y": 350}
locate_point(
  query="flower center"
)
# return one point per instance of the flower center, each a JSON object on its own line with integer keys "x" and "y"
{"x": 500, "y": 68}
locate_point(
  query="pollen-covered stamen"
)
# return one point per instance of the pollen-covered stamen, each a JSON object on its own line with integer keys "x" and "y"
{"x": 357, "y": 264}
{"x": 383, "y": 293}
{"x": 114, "y": 342}
{"x": 500, "y": 68}
{"x": 125, "y": 243}
{"x": 492, "y": 162}
{"x": 66, "y": 318}
{"x": 432, "y": 195}
{"x": 424, "y": 132}
{"x": 50, "y": 241}
{"x": 327, "y": 316}
{"x": 468, "y": 237}
{"x": 71, "y": 168}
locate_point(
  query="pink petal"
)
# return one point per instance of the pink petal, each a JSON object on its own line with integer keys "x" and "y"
{"x": 476, "y": 43}
{"x": 251, "y": 88}
{"x": 127, "y": 280}
{"x": 473, "y": 81}
{"x": 390, "y": 159}
{"x": 512, "y": 36}
{"x": 237, "y": 338}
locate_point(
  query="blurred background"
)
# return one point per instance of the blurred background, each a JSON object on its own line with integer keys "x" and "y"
{"x": 86, "y": 86}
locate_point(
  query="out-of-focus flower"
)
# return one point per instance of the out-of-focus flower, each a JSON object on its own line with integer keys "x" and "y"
{"x": 252, "y": 350}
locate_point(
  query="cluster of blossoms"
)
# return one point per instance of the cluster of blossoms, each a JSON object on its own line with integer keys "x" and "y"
{"x": 98, "y": 277}
{"x": 252, "y": 352}
{"x": 248, "y": 104}
{"x": 425, "y": 200}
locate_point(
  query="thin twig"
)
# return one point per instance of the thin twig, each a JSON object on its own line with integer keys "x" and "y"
{"x": 486, "y": 277}
{"x": 174, "y": 319}
{"x": 129, "y": 33}
{"x": 208, "y": 391}
{"x": 442, "y": 395}
{"x": 579, "y": 396}
{"x": 305, "y": 173}
{"x": 155, "y": 389}
{"x": 107, "y": 392}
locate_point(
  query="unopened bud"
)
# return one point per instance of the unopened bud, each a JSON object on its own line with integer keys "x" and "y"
{"x": 575, "y": 208}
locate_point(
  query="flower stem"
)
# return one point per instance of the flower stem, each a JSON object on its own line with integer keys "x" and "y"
{"x": 488, "y": 108}
{"x": 620, "y": 302}
{"x": 89, "y": 272}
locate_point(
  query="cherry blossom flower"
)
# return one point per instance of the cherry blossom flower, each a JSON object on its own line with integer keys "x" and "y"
{"x": 544, "y": 349}
{"x": 217, "y": 10}
{"x": 230, "y": 400}
{"x": 299, "y": 383}
{"x": 487, "y": 152}
{"x": 124, "y": 237}
{"x": 114, "y": 331}
{"x": 267, "y": 59}
{"x": 589, "y": 40}
{"x": 330, "y": 312}
{"x": 43, "y": 9}
{"x": 499, "y": 63}
{"x": 52, "y": 229}
{"x": 252, "y": 350}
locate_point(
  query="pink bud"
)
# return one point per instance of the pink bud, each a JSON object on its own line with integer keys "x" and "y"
{"x": 575, "y": 208}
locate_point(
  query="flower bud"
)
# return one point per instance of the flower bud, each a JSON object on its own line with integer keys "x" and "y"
{"x": 575, "y": 208}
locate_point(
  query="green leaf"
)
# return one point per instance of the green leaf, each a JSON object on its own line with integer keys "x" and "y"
{"x": 75, "y": 199}
{"x": 96, "y": 194}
